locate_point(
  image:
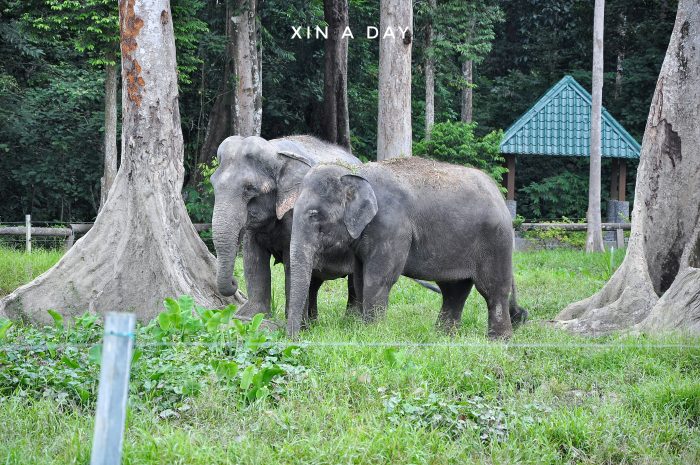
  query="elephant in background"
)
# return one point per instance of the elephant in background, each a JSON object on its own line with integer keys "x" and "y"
{"x": 255, "y": 188}
{"x": 414, "y": 217}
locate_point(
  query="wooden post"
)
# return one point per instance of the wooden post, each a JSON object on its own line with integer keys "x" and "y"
{"x": 113, "y": 389}
{"x": 620, "y": 238}
{"x": 615, "y": 172}
{"x": 510, "y": 161}
{"x": 622, "y": 183}
{"x": 70, "y": 240}
{"x": 28, "y": 236}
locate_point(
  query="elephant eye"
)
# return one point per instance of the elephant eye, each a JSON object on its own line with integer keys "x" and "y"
{"x": 312, "y": 213}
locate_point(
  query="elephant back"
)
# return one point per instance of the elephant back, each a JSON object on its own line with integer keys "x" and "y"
{"x": 319, "y": 151}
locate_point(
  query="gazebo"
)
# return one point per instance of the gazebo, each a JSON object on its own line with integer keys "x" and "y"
{"x": 559, "y": 125}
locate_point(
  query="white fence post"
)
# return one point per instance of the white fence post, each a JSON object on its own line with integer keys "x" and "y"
{"x": 28, "y": 226}
{"x": 113, "y": 390}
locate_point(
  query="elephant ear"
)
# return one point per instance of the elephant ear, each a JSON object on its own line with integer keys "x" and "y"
{"x": 227, "y": 149}
{"x": 360, "y": 204}
{"x": 294, "y": 168}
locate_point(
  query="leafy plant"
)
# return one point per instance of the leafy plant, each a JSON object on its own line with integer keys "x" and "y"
{"x": 457, "y": 143}
{"x": 175, "y": 357}
{"x": 454, "y": 416}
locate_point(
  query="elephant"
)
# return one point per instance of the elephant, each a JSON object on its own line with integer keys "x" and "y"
{"x": 414, "y": 217}
{"x": 255, "y": 187}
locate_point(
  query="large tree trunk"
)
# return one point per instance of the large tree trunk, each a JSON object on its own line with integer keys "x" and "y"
{"x": 594, "y": 236}
{"x": 336, "y": 121}
{"x": 246, "y": 107}
{"x": 110, "y": 137}
{"x": 657, "y": 287}
{"x": 429, "y": 72}
{"x": 143, "y": 246}
{"x": 394, "y": 135}
{"x": 467, "y": 92}
{"x": 238, "y": 107}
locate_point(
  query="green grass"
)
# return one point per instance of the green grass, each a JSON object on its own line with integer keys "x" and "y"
{"x": 623, "y": 404}
{"x": 18, "y": 267}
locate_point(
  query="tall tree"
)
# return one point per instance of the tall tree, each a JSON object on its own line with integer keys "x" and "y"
{"x": 657, "y": 287}
{"x": 142, "y": 246}
{"x": 429, "y": 69}
{"x": 336, "y": 121}
{"x": 246, "y": 108}
{"x": 394, "y": 130}
{"x": 594, "y": 236}
{"x": 92, "y": 28}
{"x": 237, "y": 109}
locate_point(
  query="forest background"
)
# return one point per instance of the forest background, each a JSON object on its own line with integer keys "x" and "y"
{"x": 52, "y": 87}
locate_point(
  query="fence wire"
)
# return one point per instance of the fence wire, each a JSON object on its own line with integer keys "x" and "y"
{"x": 372, "y": 344}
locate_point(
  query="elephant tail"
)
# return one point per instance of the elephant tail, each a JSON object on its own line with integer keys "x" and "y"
{"x": 518, "y": 315}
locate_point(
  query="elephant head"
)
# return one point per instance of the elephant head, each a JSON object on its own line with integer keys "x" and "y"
{"x": 257, "y": 181}
{"x": 333, "y": 209}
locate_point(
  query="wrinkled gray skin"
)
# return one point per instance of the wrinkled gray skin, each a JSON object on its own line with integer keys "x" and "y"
{"x": 255, "y": 187}
{"x": 412, "y": 217}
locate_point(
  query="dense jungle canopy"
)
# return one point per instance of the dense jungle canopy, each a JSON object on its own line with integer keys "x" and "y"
{"x": 52, "y": 86}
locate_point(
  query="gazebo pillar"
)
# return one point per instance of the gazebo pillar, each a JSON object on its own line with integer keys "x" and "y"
{"x": 509, "y": 183}
{"x": 618, "y": 208}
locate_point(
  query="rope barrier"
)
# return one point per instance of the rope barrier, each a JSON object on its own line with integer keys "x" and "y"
{"x": 355, "y": 344}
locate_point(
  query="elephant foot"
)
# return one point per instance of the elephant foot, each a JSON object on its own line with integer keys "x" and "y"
{"x": 353, "y": 311}
{"x": 519, "y": 318}
{"x": 500, "y": 335}
{"x": 250, "y": 309}
{"x": 448, "y": 326}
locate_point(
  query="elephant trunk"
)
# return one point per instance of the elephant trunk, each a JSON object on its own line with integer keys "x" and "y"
{"x": 226, "y": 230}
{"x": 301, "y": 258}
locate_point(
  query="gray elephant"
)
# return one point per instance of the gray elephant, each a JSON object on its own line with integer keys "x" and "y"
{"x": 414, "y": 217}
{"x": 255, "y": 187}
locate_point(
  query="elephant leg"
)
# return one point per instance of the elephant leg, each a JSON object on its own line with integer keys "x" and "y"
{"x": 313, "y": 299}
{"x": 353, "y": 302}
{"x": 380, "y": 273}
{"x": 355, "y": 283}
{"x": 256, "y": 268}
{"x": 287, "y": 282}
{"x": 454, "y": 294}
{"x": 497, "y": 295}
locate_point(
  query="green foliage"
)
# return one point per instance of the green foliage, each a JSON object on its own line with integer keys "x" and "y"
{"x": 454, "y": 416}
{"x": 556, "y": 237}
{"x": 176, "y": 356}
{"x": 200, "y": 200}
{"x": 565, "y": 193}
{"x": 457, "y": 143}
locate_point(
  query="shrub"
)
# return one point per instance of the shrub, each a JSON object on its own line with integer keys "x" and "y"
{"x": 175, "y": 357}
{"x": 457, "y": 143}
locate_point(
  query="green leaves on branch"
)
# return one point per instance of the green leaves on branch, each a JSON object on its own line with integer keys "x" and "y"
{"x": 457, "y": 143}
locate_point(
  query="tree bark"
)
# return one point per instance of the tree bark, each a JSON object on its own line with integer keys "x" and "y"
{"x": 336, "y": 120}
{"x": 110, "y": 136}
{"x": 594, "y": 236}
{"x": 394, "y": 132}
{"x": 142, "y": 247}
{"x": 657, "y": 287}
{"x": 246, "y": 107}
{"x": 467, "y": 92}
{"x": 429, "y": 72}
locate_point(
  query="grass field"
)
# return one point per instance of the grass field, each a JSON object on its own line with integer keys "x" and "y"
{"x": 619, "y": 402}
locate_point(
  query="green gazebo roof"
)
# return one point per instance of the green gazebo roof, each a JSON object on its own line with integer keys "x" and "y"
{"x": 559, "y": 125}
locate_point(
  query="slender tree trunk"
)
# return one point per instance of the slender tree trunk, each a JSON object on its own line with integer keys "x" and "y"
{"x": 143, "y": 246}
{"x": 219, "y": 124}
{"x": 467, "y": 92}
{"x": 394, "y": 132}
{"x": 246, "y": 107}
{"x": 620, "y": 60}
{"x": 336, "y": 121}
{"x": 110, "y": 137}
{"x": 594, "y": 236}
{"x": 429, "y": 72}
{"x": 657, "y": 287}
